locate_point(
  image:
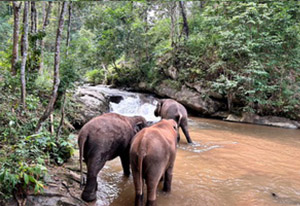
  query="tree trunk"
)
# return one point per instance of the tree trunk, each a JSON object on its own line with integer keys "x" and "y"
{"x": 51, "y": 124}
{"x": 185, "y": 26}
{"x": 62, "y": 116}
{"x": 64, "y": 92}
{"x": 24, "y": 53}
{"x": 15, "y": 56}
{"x": 56, "y": 68}
{"x": 69, "y": 29}
{"x": 46, "y": 16}
{"x": 33, "y": 43}
{"x": 33, "y": 18}
{"x": 173, "y": 22}
{"x": 146, "y": 30}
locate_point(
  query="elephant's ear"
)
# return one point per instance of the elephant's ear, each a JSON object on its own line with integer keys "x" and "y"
{"x": 139, "y": 126}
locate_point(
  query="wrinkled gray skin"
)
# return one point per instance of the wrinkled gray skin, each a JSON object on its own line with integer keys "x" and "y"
{"x": 152, "y": 156}
{"x": 171, "y": 109}
{"x": 104, "y": 138}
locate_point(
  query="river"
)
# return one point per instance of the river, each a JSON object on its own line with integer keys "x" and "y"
{"x": 230, "y": 164}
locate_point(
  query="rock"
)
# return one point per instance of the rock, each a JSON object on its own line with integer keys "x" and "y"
{"x": 221, "y": 114}
{"x": 198, "y": 86}
{"x": 172, "y": 72}
{"x": 266, "y": 120}
{"x": 188, "y": 97}
{"x": 233, "y": 118}
{"x": 92, "y": 103}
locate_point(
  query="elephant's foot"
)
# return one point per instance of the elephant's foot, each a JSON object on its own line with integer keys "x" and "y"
{"x": 139, "y": 200}
{"x": 126, "y": 174}
{"x": 88, "y": 196}
{"x": 167, "y": 188}
{"x": 150, "y": 203}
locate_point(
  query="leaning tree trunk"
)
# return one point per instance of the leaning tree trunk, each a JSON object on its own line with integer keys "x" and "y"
{"x": 185, "y": 26}
{"x": 56, "y": 69}
{"x": 69, "y": 29}
{"x": 45, "y": 24}
{"x": 24, "y": 53}
{"x": 15, "y": 54}
{"x": 64, "y": 92}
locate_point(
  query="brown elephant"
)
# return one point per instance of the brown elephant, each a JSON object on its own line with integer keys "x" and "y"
{"x": 152, "y": 156}
{"x": 171, "y": 109}
{"x": 104, "y": 138}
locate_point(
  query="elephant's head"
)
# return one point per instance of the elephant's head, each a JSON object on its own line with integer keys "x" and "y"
{"x": 157, "y": 111}
{"x": 138, "y": 123}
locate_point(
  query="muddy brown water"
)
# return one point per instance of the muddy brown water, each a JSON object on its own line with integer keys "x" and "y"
{"x": 230, "y": 164}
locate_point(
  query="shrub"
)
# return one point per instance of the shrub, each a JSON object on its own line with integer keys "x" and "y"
{"x": 95, "y": 76}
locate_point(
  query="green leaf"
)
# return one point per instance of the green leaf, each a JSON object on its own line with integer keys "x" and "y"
{"x": 26, "y": 179}
{"x": 32, "y": 179}
{"x": 36, "y": 188}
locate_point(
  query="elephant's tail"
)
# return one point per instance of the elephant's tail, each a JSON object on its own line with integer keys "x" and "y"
{"x": 140, "y": 166}
{"x": 82, "y": 137}
{"x": 178, "y": 119}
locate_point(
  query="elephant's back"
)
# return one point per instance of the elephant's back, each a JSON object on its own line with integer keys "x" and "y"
{"x": 171, "y": 109}
{"x": 110, "y": 122}
{"x": 108, "y": 132}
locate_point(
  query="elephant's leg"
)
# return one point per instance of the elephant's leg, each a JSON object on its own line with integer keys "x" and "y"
{"x": 94, "y": 165}
{"x": 125, "y": 164}
{"x": 184, "y": 128}
{"x": 178, "y": 137}
{"x": 168, "y": 179}
{"x": 152, "y": 182}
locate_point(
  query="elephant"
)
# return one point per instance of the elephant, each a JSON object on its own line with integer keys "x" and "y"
{"x": 171, "y": 109}
{"x": 152, "y": 157}
{"x": 104, "y": 138}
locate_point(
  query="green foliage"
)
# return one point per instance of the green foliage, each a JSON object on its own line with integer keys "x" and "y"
{"x": 23, "y": 163}
{"x": 126, "y": 76}
{"x": 24, "y": 155}
{"x": 68, "y": 75}
{"x": 95, "y": 76}
{"x": 22, "y": 178}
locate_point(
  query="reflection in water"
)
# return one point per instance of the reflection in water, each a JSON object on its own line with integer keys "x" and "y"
{"x": 230, "y": 164}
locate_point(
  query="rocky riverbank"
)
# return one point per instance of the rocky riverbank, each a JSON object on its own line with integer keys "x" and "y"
{"x": 95, "y": 100}
{"x": 211, "y": 104}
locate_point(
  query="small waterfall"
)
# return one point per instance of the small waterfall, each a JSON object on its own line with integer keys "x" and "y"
{"x": 130, "y": 103}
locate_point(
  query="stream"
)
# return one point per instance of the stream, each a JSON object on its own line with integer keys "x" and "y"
{"x": 230, "y": 164}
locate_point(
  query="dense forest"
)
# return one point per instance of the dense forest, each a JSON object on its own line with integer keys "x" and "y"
{"x": 244, "y": 54}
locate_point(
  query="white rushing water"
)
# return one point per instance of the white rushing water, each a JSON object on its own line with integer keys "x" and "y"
{"x": 131, "y": 103}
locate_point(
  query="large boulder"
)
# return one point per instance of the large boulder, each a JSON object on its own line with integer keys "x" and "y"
{"x": 189, "y": 97}
{"x": 90, "y": 103}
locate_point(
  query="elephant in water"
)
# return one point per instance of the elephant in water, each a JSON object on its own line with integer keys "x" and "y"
{"x": 152, "y": 156}
{"x": 104, "y": 138}
{"x": 171, "y": 109}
